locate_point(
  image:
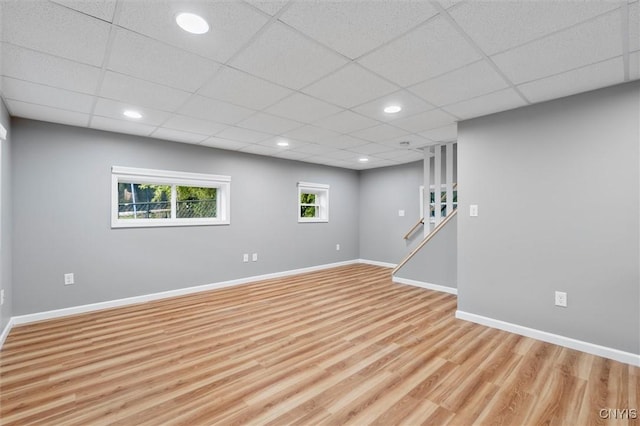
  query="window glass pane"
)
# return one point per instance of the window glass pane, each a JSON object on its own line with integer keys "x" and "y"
{"x": 194, "y": 202}
{"x": 143, "y": 201}
{"x": 309, "y": 211}
{"x": 306, "y": 198}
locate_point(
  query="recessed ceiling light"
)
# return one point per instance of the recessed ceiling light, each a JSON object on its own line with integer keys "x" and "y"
{"x": 283, "y": 143}
{"x": 132, "y": 114}
{"x": 392, "y": 109}
{"x": 363, "y": 160}
{"x": 192, "y": 23}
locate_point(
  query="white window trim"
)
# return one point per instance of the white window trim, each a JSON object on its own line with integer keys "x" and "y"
{"x": 433, "y": 189}
{"x": 322, "y": 199}
{"x": 166, "y": 177}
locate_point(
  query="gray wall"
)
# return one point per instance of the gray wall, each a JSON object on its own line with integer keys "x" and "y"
{"x": 62, "y": 184}
{"x": 383, "y": 192}
{"x": 6, "y": 310}
{"x": 557, "y": 185}
{"x": 437, "y": 262}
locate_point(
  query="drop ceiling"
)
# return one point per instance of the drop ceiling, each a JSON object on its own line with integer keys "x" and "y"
{"x": 316, "y": 74}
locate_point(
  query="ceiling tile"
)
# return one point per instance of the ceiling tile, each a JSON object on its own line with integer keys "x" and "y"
{"x": 115, "y": 109}
{"x": 350, "y": 86}
{"x": 45, "y": 113}
{"x": 342, "y": 154}
{"x": 140, "y": 92}
{"x": 302, "y": 108}
{"x": 344, "y": 142}
{"x": 634, "y": 26}
{"x": 583, "y": 79}
{"x": 102, "y": 9}
{"x": 270, "y": 7}
{"x": 379, "y": 133}
{"x": 424, "y": 121}
{"x": 260, "y": 150}
{"x": 243, "y": 89}
{"x": 331, "y": 162}
{"x": 415, "y": 141}
{"x": 313, "y": 149}
{"x": 373, "y": 163}
{"x": 178, "y": 135}
{"x": 148, "y": 59}
{"x": 346, "y": 122}
{"x": 370, "y": 148}
{"x": 292, "y": 143}
{"x": 231, "y": 24}
{"x": 269, "y": 123}
{"x": 355, "y": 27}
{"x": 285, "y": 57}
{"x": 190, "y": 124}
{"x": 44, "y": 95}
{"x": 431, "y": 50}
{"x": 406, "y": 156}
{"x": 120, "y": 126}
{"x": 576, "y": 47}
{"x": 497, "y": 26}
{"x": 213, "y": 110}
{"x": 292, "y": 155}
{"x": 214, "y": 142}
{"x": 442, "y": 134}
{"x": 46, "y": 69}
{"x": 464, "y": 83}
{"x": 410, "y": 104}
{"x": 54, "y": 29}
{"x": 487, "y": 104}
{"x": 242, "y": 135}
{"x": 311, "y": 134}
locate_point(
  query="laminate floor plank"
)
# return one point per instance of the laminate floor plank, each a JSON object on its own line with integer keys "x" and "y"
{"x": 338, "y": 346}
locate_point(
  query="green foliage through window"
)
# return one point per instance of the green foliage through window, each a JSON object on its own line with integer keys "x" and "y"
{"x": 308, "y": 205}
{"x": 148, "y": 201}
{"x": 196, "y": 202}
{"x": 138, "y": 201}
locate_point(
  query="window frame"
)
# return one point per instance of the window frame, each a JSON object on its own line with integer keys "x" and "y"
{"x": 171, "y": 178}
{"x": 321, "y": 192}
{"x": 432, "y": 190}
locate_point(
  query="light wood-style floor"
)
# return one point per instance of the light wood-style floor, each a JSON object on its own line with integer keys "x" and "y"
{"x": 340, "y": 346}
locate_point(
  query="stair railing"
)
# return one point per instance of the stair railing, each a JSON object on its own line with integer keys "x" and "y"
{"x": 426, "y": 239}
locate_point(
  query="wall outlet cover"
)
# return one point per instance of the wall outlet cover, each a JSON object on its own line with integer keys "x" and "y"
{"x": 561, "y": 299}
{"x": 69, "y": 279}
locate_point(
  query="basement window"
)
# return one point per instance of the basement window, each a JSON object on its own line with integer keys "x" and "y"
{"x": 313, "y": 202}
{"x": 147, "y": 197}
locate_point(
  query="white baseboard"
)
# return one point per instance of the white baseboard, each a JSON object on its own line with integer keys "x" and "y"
{"x": 57, "y": 313}
{"x": 377, "y": 263}
{"x": 6, "y": 331}
{"x": 591, "y": 348}
{"x": 429, "y": 286}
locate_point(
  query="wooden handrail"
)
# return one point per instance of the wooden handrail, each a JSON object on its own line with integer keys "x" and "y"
{"x": 413, "y": 229}
{"x": 426, "y": 239}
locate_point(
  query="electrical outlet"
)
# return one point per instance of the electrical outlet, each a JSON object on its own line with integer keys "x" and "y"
{"x": 561, "y": 299}
{"x": 473, "y": 210}
{"x": 69, "y": 279}
{"x": 2, "y": 297}
{"x": 254, "y": 257}
{"x": 401, "y": 213}
{"x": 337, "y": 247}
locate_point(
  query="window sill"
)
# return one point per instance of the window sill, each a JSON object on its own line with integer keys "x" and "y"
{"x": 312, "y": 220}
{"x": 155, "y": 223}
